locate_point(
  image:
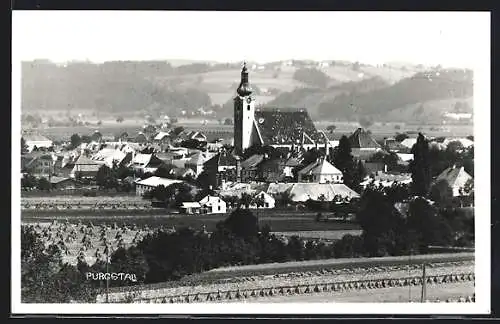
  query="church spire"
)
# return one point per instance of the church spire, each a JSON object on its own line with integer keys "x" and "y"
{"x": 244, "y": 89}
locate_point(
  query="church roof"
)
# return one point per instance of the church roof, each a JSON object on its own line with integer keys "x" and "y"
{"x": 362, "y": 139}
{"x": 285, "y": 126}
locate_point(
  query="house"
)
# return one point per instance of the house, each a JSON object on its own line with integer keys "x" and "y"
{"x": 197, "y": 161}
{"x": 146, "y": 185}
{"x": 385, "y": 179}
{"x": 140, "y": 161}
{"x": 153, "y": 164}
{"x": 391, "y": 145}
{"x": 111, "y": 156}
{"x": 320, "y": 171}
{"x": 36, "y": 140}
{"x": 250, "y": 167}
{"x": 183, "y": 173}
{"x": 221, "y": 162}
{"x": 302, "y": 192}
{"x": 456, "y": 177}
{"x": 85, "y": 168}
{"x": 190, "y": 207}
{"x": 62, "y": 183}
{"x": 213, "y": 205}
{"x": 162, "y": 138}
{"x": 37, "y": 163}
{"x": 263, "y": 200}
{"x": 363, "y": 145}
{"x": 409, "y": 142}
{"x": 191, "y": 135}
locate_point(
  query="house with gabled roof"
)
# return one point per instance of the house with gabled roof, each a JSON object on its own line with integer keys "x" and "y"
{"x": 197, "y": 160}
{"x": 363, "y": 145}
{"x": 213, "y": 205}
{"x": 85, "y": 168}
{"x": 250, "y": 167}
{"x": 456, "y": 177}
{"x": 320, "y": 171}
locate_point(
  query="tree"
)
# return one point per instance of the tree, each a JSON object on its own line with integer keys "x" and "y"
{"x": 441, "y": 193}
{"x": 420, "y": 167}
{"x": 119, "y": 119}
{"x": 24, "y": 147}
{"x": 429, "y": 226}
{"x": 401, "y": 137}
{"x": 259, "y": 201}
{"x": 228, "y": 121}
{"x": 344, "y": 161}
{"x": 331, "y": 128}
{"x": 99, "y": 123}
{"x": 106, "y": 178}
{"x": 75, "y": 140}
{"x": 130, "y": 260}
{"x": 164, "y": 171}
{"x": 44, "y": 184}
{"x": 245, "y": 200}
{"x": 383, "y": 227}
{"x": 178, "y": 130}
{"x": 312, "y": 77}
{"x": 242, "y": 223}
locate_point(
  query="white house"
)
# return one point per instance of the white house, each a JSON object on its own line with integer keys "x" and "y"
{"x": 456, "y": 178}
{"x": 213, "y": 205}
{"x": 267, "y": 200}
{"x": 146, "y": 185}
{"x": 409, "y": 142}
{"x": 320, "y": 171}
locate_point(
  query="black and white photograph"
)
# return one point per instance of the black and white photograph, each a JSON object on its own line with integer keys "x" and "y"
{"x": 250, "y": 162}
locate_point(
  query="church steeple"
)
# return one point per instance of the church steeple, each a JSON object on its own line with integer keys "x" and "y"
{"x": 244, "y": 89}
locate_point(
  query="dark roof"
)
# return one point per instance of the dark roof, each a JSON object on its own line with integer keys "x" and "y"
{"x": 222, "y": 159}
{"x": 252, "y": 161}
{"x": 285, "y": 126}
{"x": 361, "y": 139}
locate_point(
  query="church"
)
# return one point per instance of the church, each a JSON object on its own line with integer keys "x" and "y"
{"x": 290, "y": 128}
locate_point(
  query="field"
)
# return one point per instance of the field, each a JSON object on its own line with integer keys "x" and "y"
{"x": 278, "y": 222}
{"x": 332, "y": 276}
{"x": 435, "y": 293}
{"x": 379, "y": 130}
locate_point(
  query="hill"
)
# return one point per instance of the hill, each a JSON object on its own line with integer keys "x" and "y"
{"x": 131, "y": 85}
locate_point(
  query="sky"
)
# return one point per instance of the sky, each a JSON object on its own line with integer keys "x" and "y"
{"x": 451, "y": 39}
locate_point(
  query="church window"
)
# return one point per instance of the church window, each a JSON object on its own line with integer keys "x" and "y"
{"x": 248, "y": 107}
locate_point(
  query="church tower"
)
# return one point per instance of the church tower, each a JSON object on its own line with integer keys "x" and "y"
{"x": 244, "y": 112}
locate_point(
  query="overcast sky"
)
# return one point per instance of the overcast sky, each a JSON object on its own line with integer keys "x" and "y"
{"x": 446, "y": 38}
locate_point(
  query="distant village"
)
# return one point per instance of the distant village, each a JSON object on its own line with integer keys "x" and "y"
{"x": 276, "y": 157}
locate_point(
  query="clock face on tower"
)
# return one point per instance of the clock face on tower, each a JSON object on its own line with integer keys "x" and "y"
{"x": 249, "y": 100}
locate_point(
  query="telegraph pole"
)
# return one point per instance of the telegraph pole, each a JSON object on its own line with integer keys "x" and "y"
{"x": 409, "y": 275}
{"x": 107, "y": 280}
{"x": 424, "y": 288}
